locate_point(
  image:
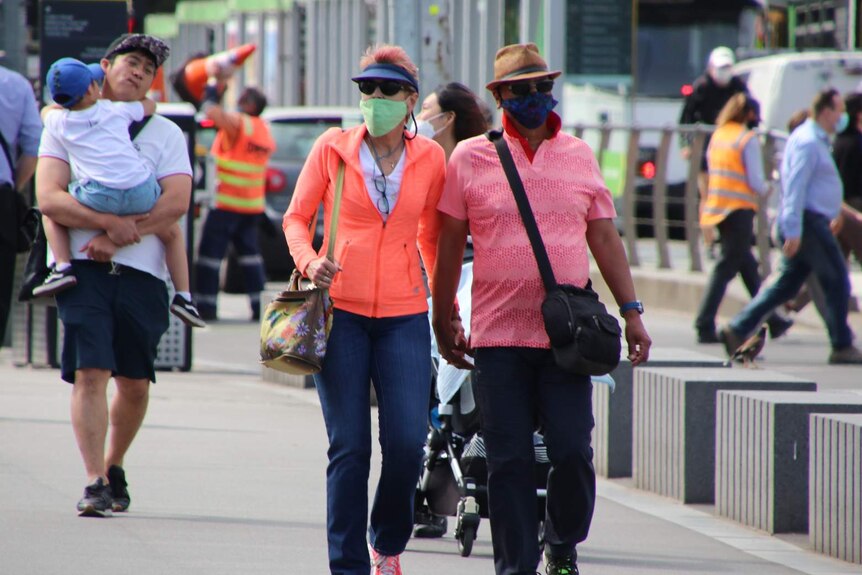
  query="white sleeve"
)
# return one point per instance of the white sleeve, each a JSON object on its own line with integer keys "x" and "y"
{"x": 132, "y": 111}
{"x": 175, "y": 153}
{"x": 50, "y": 144}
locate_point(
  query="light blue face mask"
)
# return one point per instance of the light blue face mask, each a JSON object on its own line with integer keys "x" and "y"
{"x": 843, "y": 122}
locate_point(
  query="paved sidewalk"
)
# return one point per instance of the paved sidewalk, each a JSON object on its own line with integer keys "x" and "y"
{"x": 228, "y": 477}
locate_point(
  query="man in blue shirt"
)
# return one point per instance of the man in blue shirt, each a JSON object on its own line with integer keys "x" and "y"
{"x": 811, "y": 201}
{"x": 20, "y": 128}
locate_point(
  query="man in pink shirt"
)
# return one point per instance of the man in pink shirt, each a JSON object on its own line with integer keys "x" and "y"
{"x": 517, "y": 380}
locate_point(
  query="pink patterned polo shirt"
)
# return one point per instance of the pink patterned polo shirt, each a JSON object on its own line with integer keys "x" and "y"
{"x": 565, "y": 189}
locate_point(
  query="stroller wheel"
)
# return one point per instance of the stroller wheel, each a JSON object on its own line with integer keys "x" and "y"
{"x": 465, "y": 540}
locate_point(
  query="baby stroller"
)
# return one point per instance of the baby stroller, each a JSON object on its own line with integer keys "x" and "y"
{"x": 454, "y": 476}
{"x": 454, "y": 480}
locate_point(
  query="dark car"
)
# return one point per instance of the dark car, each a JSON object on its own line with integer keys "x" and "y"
{"x": 295, "y": 130}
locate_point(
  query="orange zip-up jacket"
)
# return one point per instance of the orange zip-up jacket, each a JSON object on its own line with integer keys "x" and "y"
{"x": 380, "y": 274}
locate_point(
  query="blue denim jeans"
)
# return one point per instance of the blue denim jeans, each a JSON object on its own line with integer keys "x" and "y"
{"x": 820, "y": 254}
{"x": 518, "y": 389}
{"x": 394, "y": 354}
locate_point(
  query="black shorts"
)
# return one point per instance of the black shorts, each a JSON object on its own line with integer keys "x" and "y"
{"x": 113, "y": 319}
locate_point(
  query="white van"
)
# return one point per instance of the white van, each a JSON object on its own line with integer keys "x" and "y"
{"x": 785, "y": 83}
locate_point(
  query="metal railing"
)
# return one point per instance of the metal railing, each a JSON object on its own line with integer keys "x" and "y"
{"x": 659, "y": 199}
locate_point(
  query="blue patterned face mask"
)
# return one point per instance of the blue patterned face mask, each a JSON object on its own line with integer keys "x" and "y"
{"x": 531, "y": 110}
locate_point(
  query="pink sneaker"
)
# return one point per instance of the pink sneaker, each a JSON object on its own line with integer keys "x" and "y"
{"x": 384, "y": 564}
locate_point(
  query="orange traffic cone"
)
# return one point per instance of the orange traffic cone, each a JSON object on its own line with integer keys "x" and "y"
{"x": 191, "y": 79}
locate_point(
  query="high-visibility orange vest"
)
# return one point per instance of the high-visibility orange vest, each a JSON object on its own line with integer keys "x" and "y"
{"x": 728, "y": 186}
{"x": 241, "y": 167}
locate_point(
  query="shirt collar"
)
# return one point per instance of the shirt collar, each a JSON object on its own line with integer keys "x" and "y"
{"x": 554, "y": 123}
{"x": 818, "y": 131}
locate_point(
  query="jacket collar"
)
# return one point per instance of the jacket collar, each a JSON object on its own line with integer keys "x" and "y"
{"x": 348, "y": 142}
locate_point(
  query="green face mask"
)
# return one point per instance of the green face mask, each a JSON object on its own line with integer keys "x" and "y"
{"x": 382, "y": 116}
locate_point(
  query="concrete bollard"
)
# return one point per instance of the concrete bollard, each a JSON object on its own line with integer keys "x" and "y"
{"x": 612, "y": 435}
{"x": 762, "y": 455}
{"x": 835, "y": 486}
{"x": 674, "y": 425}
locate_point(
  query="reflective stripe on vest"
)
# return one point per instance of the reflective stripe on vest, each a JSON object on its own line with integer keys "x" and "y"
{"x": 241, "y": 172}
{"x": 728, "y": 185}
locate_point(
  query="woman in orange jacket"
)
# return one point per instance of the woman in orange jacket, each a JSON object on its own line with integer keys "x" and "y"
{"x": 380, "y": 332}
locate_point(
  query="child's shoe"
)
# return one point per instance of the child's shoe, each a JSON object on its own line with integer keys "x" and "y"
{"x": 186, "y": 311}
{"x": 56, "y": 282}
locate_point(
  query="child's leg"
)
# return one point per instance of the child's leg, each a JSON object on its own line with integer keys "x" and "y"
{"x": 62, "y": 277}
{"x": 175, "y": 257}
{"x": 58, "y": 241}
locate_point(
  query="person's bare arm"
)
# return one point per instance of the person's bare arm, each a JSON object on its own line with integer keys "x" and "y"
{"x": 171, "y": 206}
{"x": 610, "y": 256}
{"x": 227, "y": 121}
{"x": 52, "y": 180}
{"x": 24, "y": 170}
{"x": 447, "y": 271}
{"x": 48, "y": 109}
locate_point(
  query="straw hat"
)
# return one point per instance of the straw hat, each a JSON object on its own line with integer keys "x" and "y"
{"x": 519, "y": 62}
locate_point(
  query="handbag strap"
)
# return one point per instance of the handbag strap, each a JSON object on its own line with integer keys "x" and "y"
{"x": 336, "y": 208}
{"x": 5, "y": 145}
{"x": 545, "y": 270}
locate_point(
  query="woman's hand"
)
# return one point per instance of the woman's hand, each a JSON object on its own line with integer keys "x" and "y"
{"x": 321, "y": 271}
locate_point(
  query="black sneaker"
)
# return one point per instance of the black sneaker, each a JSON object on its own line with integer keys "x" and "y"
{"x": 97, "y": 501}
{"x": 707, "y": 337}
{"x": 561, "y": 565}
{"x": 186, "y": 311}
{"x": 730, "y": 339}
{"x": 778, "y": 325}
{"x": 56, "y": 282}
{"x": 429, "y": 526}
{"x": 118, "y": 485}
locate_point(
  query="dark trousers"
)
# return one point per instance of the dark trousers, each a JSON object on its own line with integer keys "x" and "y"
{"x": 820, "y": 254}
{"x": 736, "y": 235}
{"x": 221, "y": 229}
{"x": 736, "y": 232}
{"x": 8, "y": 252}
{"x": 518, "y": 388}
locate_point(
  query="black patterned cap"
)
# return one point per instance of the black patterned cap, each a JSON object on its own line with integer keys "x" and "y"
{"x": 157, "y": 49}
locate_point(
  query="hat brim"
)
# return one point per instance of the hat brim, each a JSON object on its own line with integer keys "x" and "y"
{"x": 551, "y": 74}
{"x": 382, "y": 74}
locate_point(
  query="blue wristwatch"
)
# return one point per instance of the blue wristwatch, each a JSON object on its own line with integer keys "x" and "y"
{"x": 632, "y": 305}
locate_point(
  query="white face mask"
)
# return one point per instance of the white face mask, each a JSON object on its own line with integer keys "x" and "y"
{"x": 722, "y": 76}
{"x": 425, "y": 128}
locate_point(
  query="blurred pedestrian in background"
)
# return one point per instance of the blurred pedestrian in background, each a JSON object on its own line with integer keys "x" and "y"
{"x": 451, "y": 113}
{"x": 736, "y": 180}
{"x": 242, "y": 148}
{"x": 811, "y": 201}
{"x": 20, "y": 128}
{"x": 380, "y": 332}
{"x": 710, "y": 92}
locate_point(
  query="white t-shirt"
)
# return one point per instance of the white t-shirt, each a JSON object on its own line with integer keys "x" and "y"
{"x": 97, "y": 140}
{"x": 165, "y": 153}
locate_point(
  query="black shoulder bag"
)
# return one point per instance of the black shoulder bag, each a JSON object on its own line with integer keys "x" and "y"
{"x": 585, "y": 338}
{"x": 26, "y": 218}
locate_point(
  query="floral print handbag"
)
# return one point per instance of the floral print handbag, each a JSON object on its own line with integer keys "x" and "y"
{"x": 295, "y": 325}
